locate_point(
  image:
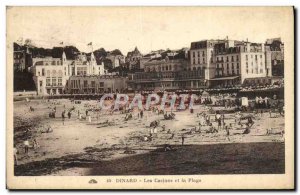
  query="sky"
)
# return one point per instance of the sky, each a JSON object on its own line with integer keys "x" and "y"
{"x": 148, "y": 28}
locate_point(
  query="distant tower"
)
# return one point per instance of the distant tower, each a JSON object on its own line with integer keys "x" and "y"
{"x": 64, "y": 57}
{"x": 93, "y": 59}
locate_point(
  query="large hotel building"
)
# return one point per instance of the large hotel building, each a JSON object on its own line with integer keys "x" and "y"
{"x": 212, "y": 64}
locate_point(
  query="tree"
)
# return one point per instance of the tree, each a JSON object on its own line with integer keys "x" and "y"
{"x": 107, "y": 64}
{"x": 29, "y": 43}
{"x": 116, "y": 52}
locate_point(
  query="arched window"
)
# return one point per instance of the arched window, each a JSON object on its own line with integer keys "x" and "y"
{"x": 53, "y": 73}
{"x": 60, "y": 73}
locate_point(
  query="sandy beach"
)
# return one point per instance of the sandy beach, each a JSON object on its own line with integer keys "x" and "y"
{"x": 80, "y": 147}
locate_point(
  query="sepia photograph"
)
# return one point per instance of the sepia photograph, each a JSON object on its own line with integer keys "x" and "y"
{"x": 150, "y": 97}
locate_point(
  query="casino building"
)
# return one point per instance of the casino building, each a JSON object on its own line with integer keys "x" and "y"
{"x": 51, "y": 74}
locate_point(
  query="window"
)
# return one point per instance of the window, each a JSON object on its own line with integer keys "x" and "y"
{"x": 48, "y": 81}
{"x": 53, "y": 73}
{"x": 60, "y": 74}
{"x": 81, "y": 70}
{"x": 101, "y": 84}
{"x": 237, "y": 58}
{"x": 246, "y": 57}
{"x": 198, "y": 60}
{"x": 85, "y": 84}
{"x": 53, "y": 81}
{"x": 59, "y": 81}
{"x": 199, "y": 54}
{"x": 93, "y": 84}
{"x": 260, "y": 56}
{"x": 203, "y": 60}
{"x": 41, "y": 83}
{"x": 194, "y": 53}
{"x": 232, "y": 58}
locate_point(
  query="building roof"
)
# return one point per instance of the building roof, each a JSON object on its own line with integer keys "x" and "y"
{"x": 134, "y": 52}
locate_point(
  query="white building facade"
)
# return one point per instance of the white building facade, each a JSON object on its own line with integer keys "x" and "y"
{"x": 52, "y": 74}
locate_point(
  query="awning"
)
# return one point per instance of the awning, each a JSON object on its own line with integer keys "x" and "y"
{"x": 224, "y": 78}
{"x": 257, "y": 81}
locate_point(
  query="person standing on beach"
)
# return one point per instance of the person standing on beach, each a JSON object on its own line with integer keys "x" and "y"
{"x": 182, "y": 139}
{"x": 26, "y": 146}
{"x": 223, "y": 120}
{"x": 35, "y": 144}
{"x": 218, "y": 119}
{"x": 15, "y": 155}
{"x": 141, "y": 113}
{"x": 63, "y": 117}
{"x": 227, "y": 132}
{"x": 69, "y": 114}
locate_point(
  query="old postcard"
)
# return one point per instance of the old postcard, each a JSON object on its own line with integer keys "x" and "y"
{"x": 150, "y": 97}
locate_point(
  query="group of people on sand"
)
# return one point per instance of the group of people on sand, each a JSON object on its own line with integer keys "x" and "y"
{"x": 27, "y": 144}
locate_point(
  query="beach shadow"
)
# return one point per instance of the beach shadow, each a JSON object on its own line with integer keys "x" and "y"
{"x": 231, "y": 158}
